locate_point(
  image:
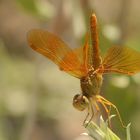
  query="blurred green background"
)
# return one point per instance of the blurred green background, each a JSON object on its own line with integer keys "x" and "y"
{"x": 35, "y": 97}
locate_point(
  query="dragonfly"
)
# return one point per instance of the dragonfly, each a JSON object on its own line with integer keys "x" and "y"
{"x": 86, "y": 64}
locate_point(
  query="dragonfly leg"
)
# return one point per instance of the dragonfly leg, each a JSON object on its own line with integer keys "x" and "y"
{"x": 92, "y": 113}
{"x": 106, "y": 102}
{"x": 88, "y": 113}
{"x": 106, "y": 110}
{"x": 90, "y": 110}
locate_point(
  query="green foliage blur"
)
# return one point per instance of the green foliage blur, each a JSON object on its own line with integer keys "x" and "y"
{"x": 35, "y": 97}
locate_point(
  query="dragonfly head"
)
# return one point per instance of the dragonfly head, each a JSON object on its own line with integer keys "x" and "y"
{"x": 80, "y": 102}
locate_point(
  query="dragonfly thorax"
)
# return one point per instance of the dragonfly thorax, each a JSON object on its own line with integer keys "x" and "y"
{"x": 91, "y": 84}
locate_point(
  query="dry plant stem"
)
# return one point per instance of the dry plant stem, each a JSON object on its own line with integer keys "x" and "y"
{"x": 30, "y": 119}
{"x": 122, "y": 21}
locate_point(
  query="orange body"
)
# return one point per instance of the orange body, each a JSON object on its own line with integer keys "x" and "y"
{"x": 91, "y": 83}
{"x": 86, "y": 63}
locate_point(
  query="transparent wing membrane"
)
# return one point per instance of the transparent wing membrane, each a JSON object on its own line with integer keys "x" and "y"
{"x": 122, "y": 60}
{"x": 56, "y": 50}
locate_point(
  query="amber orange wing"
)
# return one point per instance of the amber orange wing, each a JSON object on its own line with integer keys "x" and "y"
{"x": 56, "y": 50}
{"x": 84, "y": 55}
{"x": 122, "y": 60}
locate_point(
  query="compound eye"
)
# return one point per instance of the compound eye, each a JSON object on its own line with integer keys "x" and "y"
{"x": 85, "y": 100}
{"x": 80, "y": 102}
